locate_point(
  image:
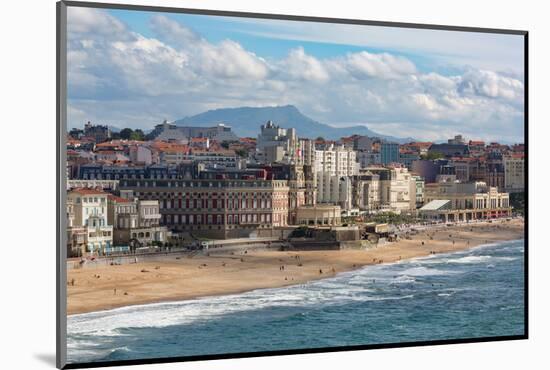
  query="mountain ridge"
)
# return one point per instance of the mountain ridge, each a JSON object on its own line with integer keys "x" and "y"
{"x": 246, "y": 121}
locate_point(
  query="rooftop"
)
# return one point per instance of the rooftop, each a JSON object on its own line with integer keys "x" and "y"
{"x": 436, "y": 205}
{"x": 88, "y": 191}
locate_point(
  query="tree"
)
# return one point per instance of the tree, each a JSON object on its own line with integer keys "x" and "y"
{"x": 241, "y": 153}
{"x": 137, "y": 135}
{"x": 320, "y": 138}
{"x": 433, "y": 155}
{"x": 125, "y": 133}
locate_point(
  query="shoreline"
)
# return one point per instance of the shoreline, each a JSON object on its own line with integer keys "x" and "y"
{"x": 184, "y": 278}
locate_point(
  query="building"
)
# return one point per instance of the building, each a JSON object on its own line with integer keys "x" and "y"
{"x": 389, "y": 153}
{"x": 407, "y": 158}
{"x": 418, "y": 147}
{"x": 217, "y": 208}
{"x": 184, "y": 170}
{"x": 493, "y": 171}
{"x": 136, "y": 222}
{"x": 105, "y": 185}
{"x": 366, "y": 191}
{"x": 394, "y": 186}
{"x": 366, "y": 159}
{"x": 457, "y": 140}
{"x": 277, "y": 144}
{"x": 456, "y": 201}
{"x": 476, "y": 146}
{"x": 97, "y": 132}
{"x": 465, "y": 168}
{"x": 174, "y": 154}
{"x": 363, "y": 143}
{"x": 89, "y": 232}
{"x": 334, "y": 189}
{"x": 431, "y": 169}
{"x": 321, "y": 214}
{"x": 418, "y": 190}
{"x": 514, "y": 172}
{"x": 140, "y": 155}
{"x": 336, "y": 161}
{"x": 450, "y": 150}
{"x": 300, "y": 178}
{"x": 169, "y": 131}
{"x": 307, "y": 151}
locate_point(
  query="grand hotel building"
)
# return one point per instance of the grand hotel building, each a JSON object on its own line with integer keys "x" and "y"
{"x": 218, "y": 208}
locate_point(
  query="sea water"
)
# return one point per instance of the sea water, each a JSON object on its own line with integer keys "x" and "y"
{"x": 468, "y": 294}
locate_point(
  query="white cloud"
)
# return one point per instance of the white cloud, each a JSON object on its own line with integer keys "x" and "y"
{"x": 135, "y": 80}
{"x": 227, "y": 59}
{"x": 300, "y": 66}
{"x": 94, "y": 24}
{"x": 491, "y": 84}
{"x": 366, "y": 65}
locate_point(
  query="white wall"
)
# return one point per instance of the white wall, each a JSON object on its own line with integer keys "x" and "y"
{"x": 28, "y": 84}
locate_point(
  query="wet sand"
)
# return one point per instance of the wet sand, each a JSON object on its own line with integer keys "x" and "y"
{"x": 107, "y": 287}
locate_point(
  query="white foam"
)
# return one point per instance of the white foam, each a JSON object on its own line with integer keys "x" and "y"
{"x": 480, "y": 259}
{"x": 470, "y": 259}
{"x": 425, "y": 271}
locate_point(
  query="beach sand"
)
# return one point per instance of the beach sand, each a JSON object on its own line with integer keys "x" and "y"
{"x": 107, "y": 287}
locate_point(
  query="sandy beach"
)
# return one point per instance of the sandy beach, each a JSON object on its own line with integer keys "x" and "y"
{"x": 180, "y": 278}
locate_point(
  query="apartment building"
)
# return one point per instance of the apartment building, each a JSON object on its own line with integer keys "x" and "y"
{"x": 336, "y": 161}
{"x": 514, "y": 172}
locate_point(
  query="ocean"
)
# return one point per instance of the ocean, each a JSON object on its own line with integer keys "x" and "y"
{"x": 468, "y": 294}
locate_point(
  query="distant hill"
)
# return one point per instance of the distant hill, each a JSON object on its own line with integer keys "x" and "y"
{"x": 246, "y": 122}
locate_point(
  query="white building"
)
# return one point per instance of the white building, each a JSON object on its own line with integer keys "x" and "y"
{"x": 456, "y": 201}
{"x": 334, "y": 189}
{"x": 277, "y": 144}
{"x": 88, "y": 221}
{"x": 336, "y": 160}
{"x": 141, "y": 154}
{"x": 395, "y": 187}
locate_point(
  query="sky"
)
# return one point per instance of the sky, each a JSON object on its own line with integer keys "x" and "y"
{"x": 134, "y": 69}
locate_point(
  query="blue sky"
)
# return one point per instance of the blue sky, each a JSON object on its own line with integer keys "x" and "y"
{"x": 133, "y": 68}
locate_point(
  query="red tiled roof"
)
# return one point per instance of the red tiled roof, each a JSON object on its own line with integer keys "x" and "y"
{"x": 421, "y": 144}
{"x": 199, "y": 139}
{"x": 88, "y": 191}
{"x": 118, "y": 199}
{"x": 517, "y": 155}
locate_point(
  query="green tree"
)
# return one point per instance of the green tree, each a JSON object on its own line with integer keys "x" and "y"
{"x": 241, "y": 153}
{"x": 137, "y": 135}
{"x": 125, "y": 133}
{"x": 433, "y": 155}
